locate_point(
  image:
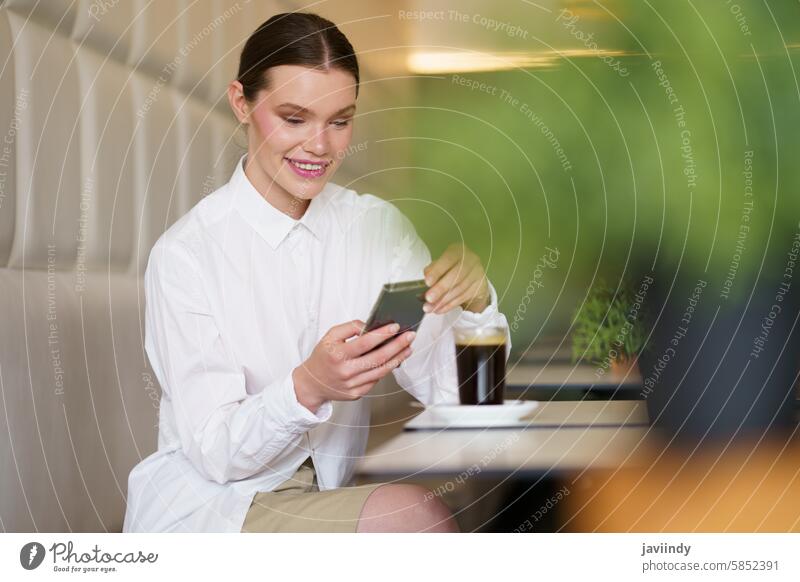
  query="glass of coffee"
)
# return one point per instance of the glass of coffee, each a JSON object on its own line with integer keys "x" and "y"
{"x": 481, "y": 363}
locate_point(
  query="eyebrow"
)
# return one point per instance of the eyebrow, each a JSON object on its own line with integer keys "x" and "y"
{"x": 301, "y": 109}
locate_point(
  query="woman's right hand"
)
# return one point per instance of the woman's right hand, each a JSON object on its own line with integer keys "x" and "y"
{"x": 342, "y": 370}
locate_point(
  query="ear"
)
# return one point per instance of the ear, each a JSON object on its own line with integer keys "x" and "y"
{"x": 239, "y": 104}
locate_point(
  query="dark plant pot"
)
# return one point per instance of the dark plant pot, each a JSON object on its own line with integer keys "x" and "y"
{"x": 717, "y": 368}
{"x": 621, "y": 369}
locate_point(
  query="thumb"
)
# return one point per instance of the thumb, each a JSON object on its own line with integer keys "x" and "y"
{"x": 343, "y": 331}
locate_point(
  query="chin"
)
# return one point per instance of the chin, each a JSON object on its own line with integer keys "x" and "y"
{"x": 305, "y": 190}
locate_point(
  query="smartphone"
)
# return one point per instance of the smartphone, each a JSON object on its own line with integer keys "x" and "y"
{"x": 399, "y": 303}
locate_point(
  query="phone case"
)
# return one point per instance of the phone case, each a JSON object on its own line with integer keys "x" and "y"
{"x": 398, "y": 303}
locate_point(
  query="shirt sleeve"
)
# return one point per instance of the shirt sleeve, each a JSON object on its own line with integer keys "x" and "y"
{"x": 226, "y": 433}
{"x": 430, "y": 373}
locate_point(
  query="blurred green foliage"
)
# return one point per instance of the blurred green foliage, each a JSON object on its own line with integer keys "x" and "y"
{"x": 608, "y": 325}
{"x": 638, "y": 189}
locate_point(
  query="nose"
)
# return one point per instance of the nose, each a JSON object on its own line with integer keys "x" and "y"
{"x": 318, "y": 143}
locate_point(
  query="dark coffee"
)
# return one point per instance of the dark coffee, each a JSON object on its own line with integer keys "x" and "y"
{"x": 481, "y": 363}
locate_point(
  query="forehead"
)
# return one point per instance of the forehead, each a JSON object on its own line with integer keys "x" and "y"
{"x": 314, "y": 89}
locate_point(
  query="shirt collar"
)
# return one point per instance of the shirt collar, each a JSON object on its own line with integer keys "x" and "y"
{"x": 269, "y": 222}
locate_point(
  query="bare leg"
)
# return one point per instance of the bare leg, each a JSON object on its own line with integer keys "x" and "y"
{"x": 405, "y": 508}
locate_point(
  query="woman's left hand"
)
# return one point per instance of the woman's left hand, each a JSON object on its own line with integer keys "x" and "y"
{"x": 456, "y": 278}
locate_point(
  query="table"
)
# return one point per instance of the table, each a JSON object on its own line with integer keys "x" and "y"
{"x": 568, "y": 436}
{"x": 559, "y": 380}
{"x": 565, "y": 375}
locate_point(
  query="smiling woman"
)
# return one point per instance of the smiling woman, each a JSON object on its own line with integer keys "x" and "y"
{"x": 254, "y": 311}
{"x": 296, "y": 92}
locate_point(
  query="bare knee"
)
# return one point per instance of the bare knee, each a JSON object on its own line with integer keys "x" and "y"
{"x": 405, "y": 508}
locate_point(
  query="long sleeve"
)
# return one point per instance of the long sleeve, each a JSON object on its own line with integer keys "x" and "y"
{"x": 226, "y": 433}
{"x": 430, "y": 374}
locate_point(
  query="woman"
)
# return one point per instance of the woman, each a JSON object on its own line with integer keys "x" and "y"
{"x": 252, "y": 297}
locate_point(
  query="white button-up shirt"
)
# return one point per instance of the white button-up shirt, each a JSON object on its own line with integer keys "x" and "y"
{"x": 237, "y": 295}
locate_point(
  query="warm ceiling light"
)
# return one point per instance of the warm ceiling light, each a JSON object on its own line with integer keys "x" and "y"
{"x": 433, "y": 62}
{"x": 428, "y": 63}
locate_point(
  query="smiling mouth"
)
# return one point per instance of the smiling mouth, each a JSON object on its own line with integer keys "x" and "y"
{"x": 308, "y": 169}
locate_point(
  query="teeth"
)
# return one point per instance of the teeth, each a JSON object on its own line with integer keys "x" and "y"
{"x": 311, "y": 167}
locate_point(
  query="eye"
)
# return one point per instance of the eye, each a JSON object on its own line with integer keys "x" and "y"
{"x": 341, "y": 123}
{"x": 293, "y": 120}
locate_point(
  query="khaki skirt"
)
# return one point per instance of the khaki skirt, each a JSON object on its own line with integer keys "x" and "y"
{"x": 297, "y": 505}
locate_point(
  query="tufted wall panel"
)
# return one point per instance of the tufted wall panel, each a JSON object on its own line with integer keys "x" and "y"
{"x": 114, "y": 123}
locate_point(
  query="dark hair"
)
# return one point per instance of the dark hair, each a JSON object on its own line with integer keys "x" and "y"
{"x": 294, "y": 38}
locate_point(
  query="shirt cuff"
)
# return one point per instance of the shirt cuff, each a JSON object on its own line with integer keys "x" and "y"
{"x": 485, "y": 317}
{"x": 294, "y": 415}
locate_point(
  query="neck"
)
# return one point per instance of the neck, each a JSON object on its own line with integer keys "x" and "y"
{"x": 273, "y": 193}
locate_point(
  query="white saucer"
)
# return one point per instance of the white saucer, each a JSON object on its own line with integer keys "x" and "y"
{"x": 508, "y": 414}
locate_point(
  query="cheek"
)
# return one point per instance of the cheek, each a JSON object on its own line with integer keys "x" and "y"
{"x": 273, "y": 134}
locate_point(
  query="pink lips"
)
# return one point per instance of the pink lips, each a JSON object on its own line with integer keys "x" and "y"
{"x": 306, "y": 173}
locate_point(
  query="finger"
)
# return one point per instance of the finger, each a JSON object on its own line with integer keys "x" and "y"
{"x": 472, "y": 293}
{"x": 446, "y": 283}
{"x": 343, "y": 331}
{"x": 369, "y": 340}
{"x": 476, "y": 291}
{"x": 460, "y": 288}
{"x": 371, "y": 376}
{"x": 380, "y": 356}
{"x": 440, "y": 266}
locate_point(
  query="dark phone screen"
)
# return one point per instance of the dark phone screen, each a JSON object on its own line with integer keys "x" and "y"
{"x": 399, "y": 303}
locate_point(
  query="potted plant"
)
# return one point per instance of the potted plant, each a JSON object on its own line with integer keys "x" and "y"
{"x": 608, "y": 328}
